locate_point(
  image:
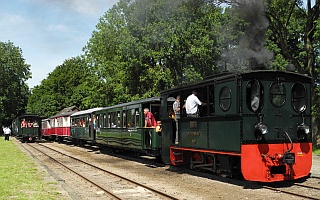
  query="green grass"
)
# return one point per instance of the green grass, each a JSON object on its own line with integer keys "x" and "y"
{"x": 316, "y": 151}
{"x": 19, "y": 177}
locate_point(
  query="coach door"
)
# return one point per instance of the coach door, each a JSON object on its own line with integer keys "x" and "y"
{"x": 92, "y": 127}
{"x": 168, "y": 127}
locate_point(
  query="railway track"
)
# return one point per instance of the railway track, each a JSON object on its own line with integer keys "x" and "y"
{"x": 114, "y": 185}
{"x": 297, "y": 190}
{"x": 308, "y": 186}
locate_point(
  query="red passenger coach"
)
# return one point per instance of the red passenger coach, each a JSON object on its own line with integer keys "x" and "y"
{"x": 58, "y": 126}
{"x": 46, "y": 128}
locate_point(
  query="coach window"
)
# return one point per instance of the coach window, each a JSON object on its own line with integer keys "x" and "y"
{"x": 130, "y": 118}
{"x": 277, "y": 94}
{"x": 137, "y": 117}
{"x": 299, "y": 98}
{"x": 225, "y": 98}
{"x": 79, "y": 122}
{"x": 101, "y": 121}
{"x": 113, "y": 119}
{"x": 124, "y": 119}
{"x": 59, "y": 122}
{"x": 109, "y": 121}
{"x": 118, "y": 120}
{"x": 86, "y": 124}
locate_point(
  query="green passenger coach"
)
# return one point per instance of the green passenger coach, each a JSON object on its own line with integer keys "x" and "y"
{"x": 82, "y": 126}
{"x": 120, "y": 127}
{"x": 123, "y": 127}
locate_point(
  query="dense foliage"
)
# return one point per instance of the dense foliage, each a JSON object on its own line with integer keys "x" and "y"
{"x": 13, "y": 88}
{"x": 71, "y": 83}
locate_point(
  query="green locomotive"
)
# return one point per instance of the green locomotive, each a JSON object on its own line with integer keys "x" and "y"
{"x": 256, "y": 124}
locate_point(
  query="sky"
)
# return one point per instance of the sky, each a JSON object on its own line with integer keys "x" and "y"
{"x": 49, "y": 31}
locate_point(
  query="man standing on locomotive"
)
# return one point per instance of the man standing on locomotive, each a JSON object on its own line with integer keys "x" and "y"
{"x": 192, "y": 104}
{"x": 176, "y": 109}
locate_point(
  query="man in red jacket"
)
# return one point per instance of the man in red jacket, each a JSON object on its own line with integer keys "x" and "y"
{"x": 150, "y": 121}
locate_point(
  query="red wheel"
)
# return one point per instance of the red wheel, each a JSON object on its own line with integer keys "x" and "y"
{"x": 196, "y": 159}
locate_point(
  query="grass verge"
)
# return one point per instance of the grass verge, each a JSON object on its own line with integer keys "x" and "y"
{"x": 316, "y": 151}
{"x": 19, "y": 176}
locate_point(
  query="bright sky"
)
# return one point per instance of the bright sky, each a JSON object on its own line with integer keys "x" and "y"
{"x": 49, "y": 31}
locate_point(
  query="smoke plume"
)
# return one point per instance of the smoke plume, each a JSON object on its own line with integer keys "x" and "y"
{"x": 251, "y": 45}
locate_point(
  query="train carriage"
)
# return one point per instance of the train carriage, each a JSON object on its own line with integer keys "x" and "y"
{"x": 257, "y": 123}
{"x": 27, "y": 127}
{"x": 60, "y": 125}
{"x": 46, "y": 129}
{"x": 83, "y": 126}
{"x": 122, "y": 127}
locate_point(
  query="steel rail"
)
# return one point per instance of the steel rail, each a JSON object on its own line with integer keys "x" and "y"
{"x": 116, "y": 175}
{"x": 93, "y": 183}
{"x": 307, "y": 186}
{"x": 291, "y": 193}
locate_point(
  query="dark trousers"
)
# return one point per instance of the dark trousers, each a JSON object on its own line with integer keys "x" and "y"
{"x": 148, "y": 136}
{"x": 6, "y": 137}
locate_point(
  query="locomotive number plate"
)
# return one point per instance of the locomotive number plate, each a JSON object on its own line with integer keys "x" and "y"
{"x": 193, "y": 124}
{"x": 193, "y": 133}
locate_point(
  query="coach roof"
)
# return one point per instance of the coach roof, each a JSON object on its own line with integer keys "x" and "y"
{"x": 82, "y": 112}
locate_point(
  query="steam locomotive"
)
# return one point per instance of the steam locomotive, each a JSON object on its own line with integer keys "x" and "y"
{"x": 255, "y": 124}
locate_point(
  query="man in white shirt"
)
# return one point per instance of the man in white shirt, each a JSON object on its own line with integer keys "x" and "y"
{"x": 192, "y": 104}
{"x": 7, "y": 133}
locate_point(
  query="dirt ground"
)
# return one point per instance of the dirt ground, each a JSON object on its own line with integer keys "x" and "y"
{"x": 178, "y": 182}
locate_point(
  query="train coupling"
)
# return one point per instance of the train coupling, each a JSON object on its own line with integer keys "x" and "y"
{"x": 288, "y": 158}
{"x": 278, "y": 159}
{"x": 272, "y": 160}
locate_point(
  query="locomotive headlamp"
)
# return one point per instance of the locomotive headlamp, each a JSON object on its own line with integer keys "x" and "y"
{"x": 260, "y": 130}
{"x": 303, "y": 130}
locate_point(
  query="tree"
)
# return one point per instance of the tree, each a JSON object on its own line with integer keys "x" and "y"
{"x": 143, "y": 47}
{"x": 70, "y": 84}
{"x": 13, "y": 88}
